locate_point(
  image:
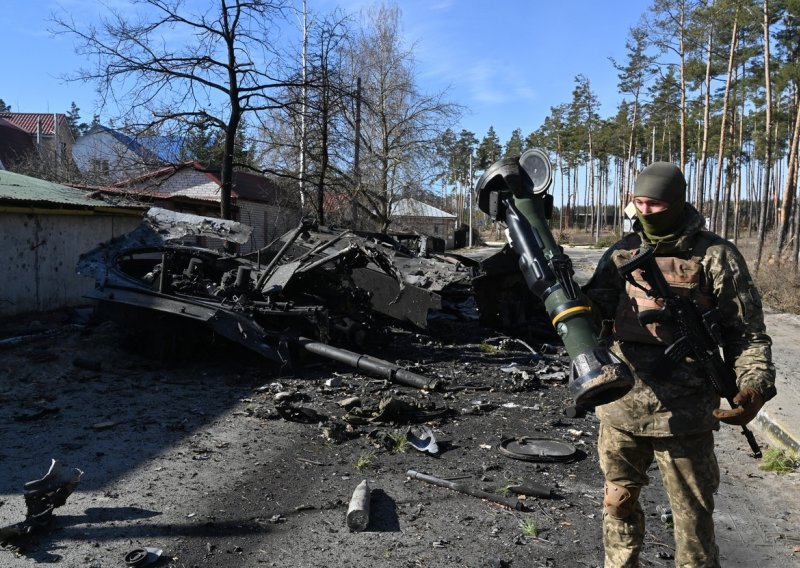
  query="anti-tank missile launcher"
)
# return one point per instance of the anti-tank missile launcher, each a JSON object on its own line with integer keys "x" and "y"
{"x": 514, "y": 191}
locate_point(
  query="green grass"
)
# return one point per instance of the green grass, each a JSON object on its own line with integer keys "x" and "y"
{"x": 778, "y": 460}
{"x": 488, "y": 348}
{"x": 504, "y": 489}
{"x": 400, "y": 443}
{"x": 365, "y": 461}
{"x": 528, "y": 527}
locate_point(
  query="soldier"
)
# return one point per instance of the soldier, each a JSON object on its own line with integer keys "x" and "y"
{"x": 670, "y": 413}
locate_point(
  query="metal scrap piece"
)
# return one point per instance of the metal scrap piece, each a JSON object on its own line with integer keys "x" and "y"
{"x": 173, "y": 225}
{"x": 424, "y": 443}
{"x": 527, "y": 448}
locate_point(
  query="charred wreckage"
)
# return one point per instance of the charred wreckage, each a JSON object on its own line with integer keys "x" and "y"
{"x": 314, "y": 289}
{"x": 318, "y": 290}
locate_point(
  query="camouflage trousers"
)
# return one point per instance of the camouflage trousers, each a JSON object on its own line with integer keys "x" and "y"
{"x": 690, "y": 475}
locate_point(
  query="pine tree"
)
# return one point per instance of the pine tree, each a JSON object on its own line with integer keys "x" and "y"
{"x": 76, "y": 127}
{"x": 515, "y": 144}
{"x": 489, "y": 150}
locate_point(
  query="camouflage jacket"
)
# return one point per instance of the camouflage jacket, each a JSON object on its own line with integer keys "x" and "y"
{"x": 667, "y": 400}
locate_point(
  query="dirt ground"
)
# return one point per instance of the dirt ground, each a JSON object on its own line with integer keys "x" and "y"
{"x": 192, "y": 455}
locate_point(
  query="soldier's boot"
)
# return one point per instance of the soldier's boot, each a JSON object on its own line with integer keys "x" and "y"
{"x": 623, "y": 526}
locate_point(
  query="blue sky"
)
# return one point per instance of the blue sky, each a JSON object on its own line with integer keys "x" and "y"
{"x": 506, "y": 61}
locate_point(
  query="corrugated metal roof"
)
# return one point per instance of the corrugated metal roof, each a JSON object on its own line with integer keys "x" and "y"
{"x": 412, "y": 208}
{"x": 24, "y": 190}
{"x": 28, "y": 121}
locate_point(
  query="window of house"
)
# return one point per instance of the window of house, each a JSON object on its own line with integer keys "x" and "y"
{"x": 436, "y": 229}
{"x": 99, "y": 166}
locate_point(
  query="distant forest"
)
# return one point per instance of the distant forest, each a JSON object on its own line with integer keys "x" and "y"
{"x": 710, "y": 85}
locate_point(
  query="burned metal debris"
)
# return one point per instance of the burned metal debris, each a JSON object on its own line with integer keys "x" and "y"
{"x": 313, "y": 290}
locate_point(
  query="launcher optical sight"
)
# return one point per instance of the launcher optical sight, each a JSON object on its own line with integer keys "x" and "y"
{"x": 514, "y": 191}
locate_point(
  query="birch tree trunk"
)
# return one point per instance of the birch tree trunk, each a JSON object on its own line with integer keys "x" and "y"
{"x": 723, "y": 126}
{"x": 703, "y": 166}
{"x": 762, "y": 222}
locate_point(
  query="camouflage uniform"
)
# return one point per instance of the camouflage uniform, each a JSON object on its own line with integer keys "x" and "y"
{"x": 668, "y": 413}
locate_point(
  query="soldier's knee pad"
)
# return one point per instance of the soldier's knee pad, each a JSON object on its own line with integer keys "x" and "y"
{"x": 619, "y": 501}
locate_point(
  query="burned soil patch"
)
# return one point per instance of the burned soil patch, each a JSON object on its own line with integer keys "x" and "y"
{"x": 225, "y": 461}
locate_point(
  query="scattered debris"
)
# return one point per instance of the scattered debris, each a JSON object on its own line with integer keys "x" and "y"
{"x": 537, "y": 449}
{"x": 299, "y": 414}
{"x": 531, "y": 490}
{"x": 350, "y": 402}
{"x": 143, "y": 556}
{"x": 665, "y": 512}
{"x": 358, "y": 511}
{"x": 426, "y": 442}
{"x": 335, "y": 382}
{"x": 394, "y": 410}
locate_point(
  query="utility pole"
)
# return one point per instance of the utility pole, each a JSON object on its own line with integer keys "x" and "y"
{"x": 356, "y": 155}
{"x": 304, "y": 90}
{"x": 470, "y": 200}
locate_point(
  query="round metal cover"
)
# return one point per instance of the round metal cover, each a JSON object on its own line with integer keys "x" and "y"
{"x": 537, "y": 449}
{"x": 537, "y": 165}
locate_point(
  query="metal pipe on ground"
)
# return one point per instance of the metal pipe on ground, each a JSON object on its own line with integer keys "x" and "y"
{"x": 379, "y": 367}
{"x": 510, "y": 502}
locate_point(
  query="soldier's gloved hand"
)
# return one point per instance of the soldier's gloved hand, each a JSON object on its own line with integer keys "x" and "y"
{"x": 748, "y": 403}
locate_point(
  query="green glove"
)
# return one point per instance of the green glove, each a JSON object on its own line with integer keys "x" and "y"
{"x": 748, "y": 402}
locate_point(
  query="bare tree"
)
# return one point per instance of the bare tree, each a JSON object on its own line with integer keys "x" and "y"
{"x": 177, "y": 67}
{"x": 319, "y": 133}
{"x": 399, "y": 124}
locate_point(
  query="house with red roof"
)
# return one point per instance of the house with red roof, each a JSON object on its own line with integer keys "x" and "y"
{"x": 48, "y": 132}
{"x": 15, "y": 144}
{"x": 190, "y": 187}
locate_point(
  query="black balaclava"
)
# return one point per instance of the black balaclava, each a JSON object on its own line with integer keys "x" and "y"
{"x": 664, "y": 181}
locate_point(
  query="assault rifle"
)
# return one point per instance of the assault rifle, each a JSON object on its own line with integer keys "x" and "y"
{"x": 698, "y": 333}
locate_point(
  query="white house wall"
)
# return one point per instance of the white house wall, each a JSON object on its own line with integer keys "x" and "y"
{"x": 122, "y": 162}
{"x": 268, "y": 222}
{"x": 186, "y": 182}
{"x": 39, "y": 253}
{"x": 434, "y": 226}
